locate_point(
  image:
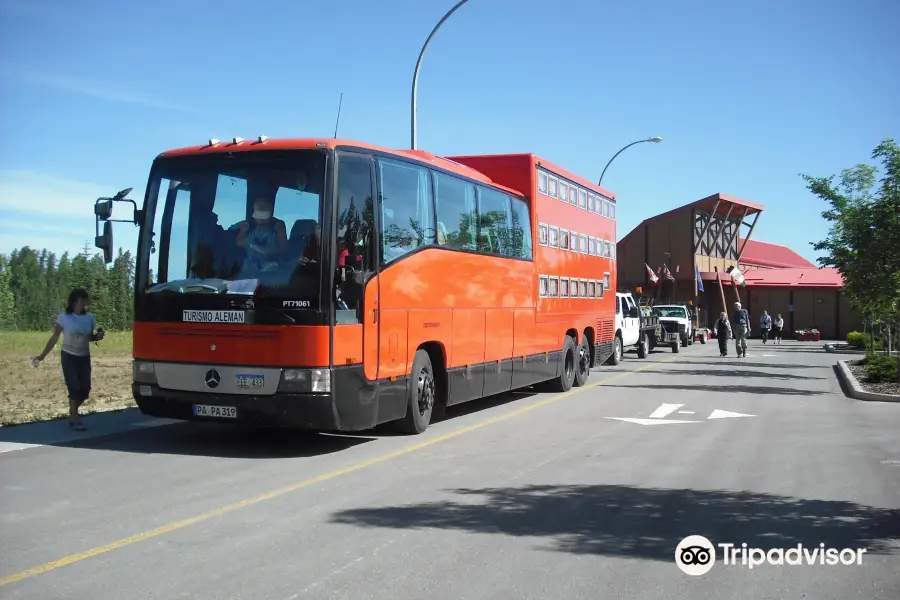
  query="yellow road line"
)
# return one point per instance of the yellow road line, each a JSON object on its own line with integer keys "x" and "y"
{"x": 152, "y": 533}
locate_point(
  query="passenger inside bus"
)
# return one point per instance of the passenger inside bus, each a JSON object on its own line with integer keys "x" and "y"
{"x": 263, "y": 236}
{"x": 311, "y": 248}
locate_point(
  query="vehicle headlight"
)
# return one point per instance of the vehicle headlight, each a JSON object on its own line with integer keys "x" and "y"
{"x": 317, "y": 381}
{"x": 143, "y": 371}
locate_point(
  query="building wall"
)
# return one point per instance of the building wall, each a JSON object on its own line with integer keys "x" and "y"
{"x": 681, "y": 226}
{"x": 773, "y": 300}
{"x": 823, "y": 308}
{"x": 649, "y": 243}
{"x": 827, "y": 310}
{"x": 850, "y": 320}
{"x": 630, "y": 259}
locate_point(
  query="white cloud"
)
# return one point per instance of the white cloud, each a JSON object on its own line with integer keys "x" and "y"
{"x": 86, "y": 88}
{"x": 70, "y": 240}
{"x": 41, "y": 210}
{"x": 36, "y": 192}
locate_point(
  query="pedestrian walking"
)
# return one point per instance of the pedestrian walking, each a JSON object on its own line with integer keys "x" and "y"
{"x": 741, "y": 320}
{"x": 765, "y": 324}
{"x": 723, "y": 333}
{"x": 77, "y": 326}
{"x": 777, "y": 329}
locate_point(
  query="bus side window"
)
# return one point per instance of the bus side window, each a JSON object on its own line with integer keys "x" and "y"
{"x": 407, "y": 220}
{"x": 520, "y": 230}
{"x": 353, "y": 237}
{"x": 455, "y": 201}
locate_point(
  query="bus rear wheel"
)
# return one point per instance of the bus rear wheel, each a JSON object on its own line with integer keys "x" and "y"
{"x": 420, "y": 394}
{"x": 563, "y": 382}
{"x": 582, "y": 362}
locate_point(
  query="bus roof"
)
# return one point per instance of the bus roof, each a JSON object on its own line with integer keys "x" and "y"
{"x": 263, "y": 143}
{"x": 546, "y": 164}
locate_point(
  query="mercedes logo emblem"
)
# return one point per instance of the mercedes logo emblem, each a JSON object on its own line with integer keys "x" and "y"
{"x": 213, "y": 378}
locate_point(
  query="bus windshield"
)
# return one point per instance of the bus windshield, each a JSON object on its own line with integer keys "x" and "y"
{"x": 243, "y": 223}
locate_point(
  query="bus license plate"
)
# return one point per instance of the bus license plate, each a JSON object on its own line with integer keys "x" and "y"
{"x": 250, "y": 382}
{"x": 224, "y": 412}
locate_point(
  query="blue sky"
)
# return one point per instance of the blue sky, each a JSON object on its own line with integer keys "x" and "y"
{"x": 746, "y": 95}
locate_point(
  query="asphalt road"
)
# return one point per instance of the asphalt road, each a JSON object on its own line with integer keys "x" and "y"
{"x": 527, "y": 496}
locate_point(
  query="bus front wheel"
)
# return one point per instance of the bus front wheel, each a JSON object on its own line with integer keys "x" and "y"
{"x": 420, "y": 395}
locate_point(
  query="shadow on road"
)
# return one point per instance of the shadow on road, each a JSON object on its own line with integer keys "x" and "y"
{"x": 460, "y": 410}
{"x": 633, "y": 522}
{"x": 780, "y": 349}
{"x": 729, "y": 388}
{"x": 730, "y": 373}
{"x": 224, "y": 441}
{"x": 758, "y": 365}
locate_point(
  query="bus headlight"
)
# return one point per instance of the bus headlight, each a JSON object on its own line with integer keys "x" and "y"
{"x": 143, "y": 371}
{"x": 317, "y": 381}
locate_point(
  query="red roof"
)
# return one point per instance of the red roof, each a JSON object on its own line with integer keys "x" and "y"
{"x": 825, "y": 277}
{"x": 764, "y": 254}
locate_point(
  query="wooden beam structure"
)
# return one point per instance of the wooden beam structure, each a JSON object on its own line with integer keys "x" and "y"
{"x": 746, "y": 239}
{"x": 721, "y": 290}
{"x": 720, "y": 233}
{"x": 736, "y": 234}
{"x": 712, "y": 216}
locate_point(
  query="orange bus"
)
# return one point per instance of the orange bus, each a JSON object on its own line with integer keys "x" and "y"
{"x": 334, "y": 285}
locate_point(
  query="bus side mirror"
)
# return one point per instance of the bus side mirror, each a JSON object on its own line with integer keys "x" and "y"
{"x": 105, "y": 242}
{"x": 103, "y": 208}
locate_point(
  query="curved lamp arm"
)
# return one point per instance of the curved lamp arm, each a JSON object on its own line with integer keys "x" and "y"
{"x": 655, "y": 140}
{"x": 415, "y": 83}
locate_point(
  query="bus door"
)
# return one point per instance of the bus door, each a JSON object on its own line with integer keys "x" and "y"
{"x": 356, "y": 282}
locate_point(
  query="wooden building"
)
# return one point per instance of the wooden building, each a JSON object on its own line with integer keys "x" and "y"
{"x": 699, "y": 241}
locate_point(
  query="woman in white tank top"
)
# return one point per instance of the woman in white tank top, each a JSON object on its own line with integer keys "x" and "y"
{"x": 78, "y": 328}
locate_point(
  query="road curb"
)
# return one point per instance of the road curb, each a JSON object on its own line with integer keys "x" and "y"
{"x": 854, "y": 390}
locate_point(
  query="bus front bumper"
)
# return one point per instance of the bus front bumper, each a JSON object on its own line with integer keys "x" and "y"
{"x": 310, "y": 411}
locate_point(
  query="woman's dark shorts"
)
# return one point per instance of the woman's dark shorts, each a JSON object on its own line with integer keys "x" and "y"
{"x": 776, "y": 332}
{"x": 77, "y": 373}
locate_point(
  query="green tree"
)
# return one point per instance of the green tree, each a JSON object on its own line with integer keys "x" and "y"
{"x": 864, "y": 238}
{"x": 7, "y": 299}
{"x": 34, "y": 287}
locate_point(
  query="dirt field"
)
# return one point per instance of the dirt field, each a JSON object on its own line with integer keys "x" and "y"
{"x": 28, "y": 394}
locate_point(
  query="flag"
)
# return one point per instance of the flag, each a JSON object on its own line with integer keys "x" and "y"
{"x": 699, "y": 279}
{"x": 668, "y": 273}
{"x": 651, "y": 274}
{"x": 736, "y": 275}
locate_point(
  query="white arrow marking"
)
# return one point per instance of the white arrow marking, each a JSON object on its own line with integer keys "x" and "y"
{"x": 685, "y": 412}
{"x": 665, "y": 409}
{"x": 724, "y": 414}
{"x": 649, "y": 421}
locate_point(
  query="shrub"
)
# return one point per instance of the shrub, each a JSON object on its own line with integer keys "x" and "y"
{"x": 859, "y": 340}
{"x": 881, "y": 368}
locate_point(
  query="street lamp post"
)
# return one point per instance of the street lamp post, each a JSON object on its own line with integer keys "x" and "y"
{"x": 655, "y": 140}
{"x": 415, "y": 82}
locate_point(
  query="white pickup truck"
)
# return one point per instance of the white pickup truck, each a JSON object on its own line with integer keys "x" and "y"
{"x": 675, "y": 318}
{"x": 633, "y": 329}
